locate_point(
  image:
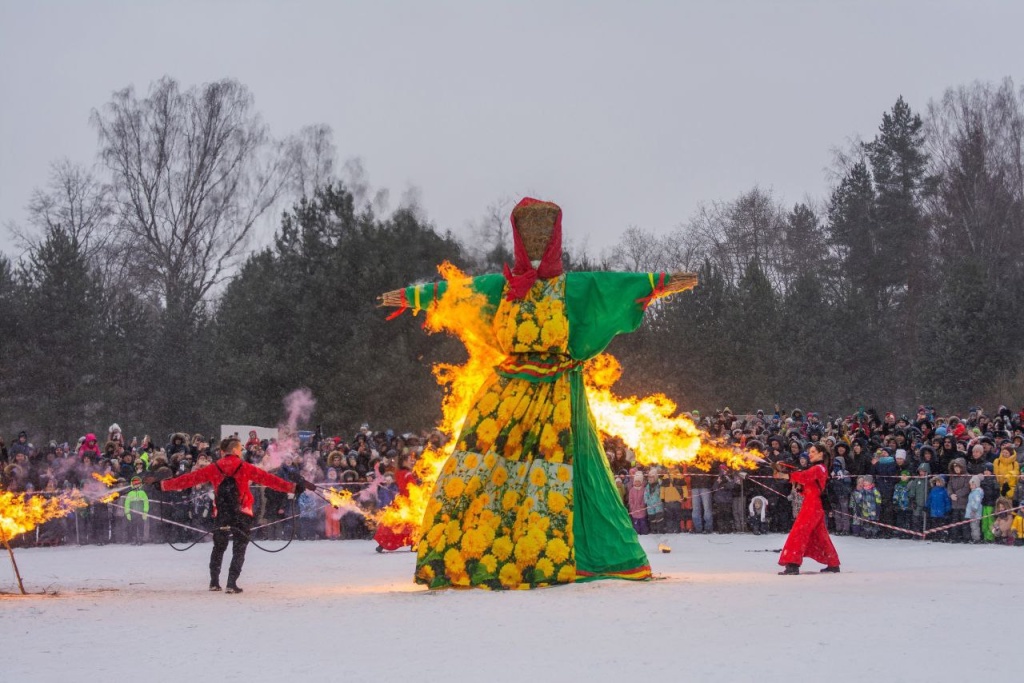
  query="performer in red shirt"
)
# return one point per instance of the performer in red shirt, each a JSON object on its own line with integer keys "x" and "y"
{"x": 235, "y": 521}
{"x": 809, "y": 535}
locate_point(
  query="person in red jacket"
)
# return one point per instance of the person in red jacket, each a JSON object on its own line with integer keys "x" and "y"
{"x": 232, "y": 523}
{"x": 395, "y": 537}
{"x": 809, "y": 535}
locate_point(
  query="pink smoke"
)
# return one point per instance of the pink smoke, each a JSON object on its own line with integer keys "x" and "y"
{"x": 299, "y": 407}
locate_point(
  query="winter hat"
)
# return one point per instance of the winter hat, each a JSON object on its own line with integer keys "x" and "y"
{"x": 638, "y": 478}
{"x": 976, "y": 480}
{"x": 136, "y": 480}
{"x": 901, "y": 454}
{"x": 904, "y": 473}
{"x": 924, "y": 467}
{"x": 988, "y": 467}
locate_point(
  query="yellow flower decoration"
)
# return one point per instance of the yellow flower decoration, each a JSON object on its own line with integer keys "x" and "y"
{"x": 521, "y": 470}
{"x": 489, "y": 461}
{"x": 472, "y": 461}
{"x": 544, "y": 568}
{"x": 564, "y": 474}
{"x": 473, "y": 486}
{"x": 567, "y": 574}
{"x": 510, "y": 576}
{"x": 553, "y": 334}
{"x": 502, "y": 547}
{"x": 506, "y": 409}
{"x": 473, "y": 544}
{"x": 486, "y": 432}
{"x": 527, "y": 550}
{"x": 499, "y": 476}
{"x": 453, "y": 562}
{"x": 548, "y": 440}
{"x": 426, "y": 573}
{"x": 488, "y": 403}
{"x": 489, "y": 562}
{"x": 454, "y": 488}
{"x": 556, "y": 502}
{"x": 453, "y": 532}
{"x": 527, "y": 332}
{"x": 557, "y": 550}
{"x": 449, "y": 465}
{"x": 563, "y": 414}
{"x": 510, "y": 500}
{"x": 435, "y": 537}
{"x": 538, "y": 477}
{"x": 423, "y": 548}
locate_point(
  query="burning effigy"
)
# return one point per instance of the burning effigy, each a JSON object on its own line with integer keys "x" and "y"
{"x": 524, "y": 496}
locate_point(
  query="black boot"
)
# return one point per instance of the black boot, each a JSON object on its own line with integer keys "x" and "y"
{"x": 790, "y": 569}
{"x": 830, "y": 570}
{"x": 233, "y": 588}
{"x": 214, "y": 586}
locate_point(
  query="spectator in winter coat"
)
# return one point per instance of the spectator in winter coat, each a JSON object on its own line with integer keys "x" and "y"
{"x": 866, "y": 502}
{"x": 136, "y": 501}
{"x": 840, "y": 488}
{"x": 901, "y": 500}
{"x": 976, "y": 463}
{"x": 1007, "y": 470}
{"x": 672, "y": 499}
{"x": 655, "y": 508}
{"x": 636, "y": 504}
{"x": 973, "y": 511}
{"x": 959, "y": 488}
{"x": 939, "y": 504}
{"x": 757, "y": 518}
{"x": 918, "y": 490}
{"x": 885, "y": 472}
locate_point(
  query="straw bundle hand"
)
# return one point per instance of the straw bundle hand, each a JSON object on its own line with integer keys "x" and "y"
{"x": 391, "y": 299}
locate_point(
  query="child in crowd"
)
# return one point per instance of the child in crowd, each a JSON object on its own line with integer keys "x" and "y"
{"x": 918, "y": 490}
{"x": 1007, "y": 527}
{"x": 973, "y": 511}
{"x": 655, "y": 508}
{"x": 939, "y": 504}
{"x": 901, "y": 500}
{"x": 869, "y": 503}
{"x": 757, "y": 520}
{"x": 636, "y": 504}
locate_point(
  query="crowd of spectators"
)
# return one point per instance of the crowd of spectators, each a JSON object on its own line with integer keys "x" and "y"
{"x": 889, "y": 476}
{"x": 362, "y": 466}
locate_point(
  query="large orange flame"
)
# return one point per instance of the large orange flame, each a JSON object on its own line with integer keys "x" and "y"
{"x": 458, "y": 313}
{"x": 647, "y": 425}
{"x": 650, "y": 425}
{"x": 20, "y": 514}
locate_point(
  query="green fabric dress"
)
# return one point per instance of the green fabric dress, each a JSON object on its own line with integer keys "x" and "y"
{"x": 527, "y": 498}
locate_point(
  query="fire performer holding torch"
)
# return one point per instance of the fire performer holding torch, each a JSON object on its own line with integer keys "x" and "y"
{"x": 232, "y": 508}
{"x": 809, "y": 535}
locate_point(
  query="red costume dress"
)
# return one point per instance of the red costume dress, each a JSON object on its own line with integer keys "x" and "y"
{"x": 393, "y": 538}
{"x": 809, "y": 535}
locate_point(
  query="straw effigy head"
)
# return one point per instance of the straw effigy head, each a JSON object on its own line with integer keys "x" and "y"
{"x": 535, "y": 223}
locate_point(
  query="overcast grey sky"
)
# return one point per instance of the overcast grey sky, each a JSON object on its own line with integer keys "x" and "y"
{"x": 625, "y": 113}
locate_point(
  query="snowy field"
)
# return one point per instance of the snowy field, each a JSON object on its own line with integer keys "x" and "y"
{"x": 319, "y": 611}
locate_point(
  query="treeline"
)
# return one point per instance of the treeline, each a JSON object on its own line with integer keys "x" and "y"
{"x": 139, "y": 299}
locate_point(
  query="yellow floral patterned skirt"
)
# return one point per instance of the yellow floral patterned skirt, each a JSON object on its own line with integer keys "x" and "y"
{"x": 502, "y": 510}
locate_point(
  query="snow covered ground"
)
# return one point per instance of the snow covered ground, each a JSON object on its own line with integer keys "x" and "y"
{"x": 900, "y": 611}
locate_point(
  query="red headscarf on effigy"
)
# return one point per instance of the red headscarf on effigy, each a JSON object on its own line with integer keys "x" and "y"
{"x": 522, "y": 275}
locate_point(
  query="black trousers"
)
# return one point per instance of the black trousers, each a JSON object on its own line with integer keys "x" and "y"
{"x": 239, "y": 532}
